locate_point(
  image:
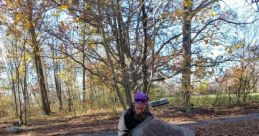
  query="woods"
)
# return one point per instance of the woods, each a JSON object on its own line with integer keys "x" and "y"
{"x": 77, "y": 55}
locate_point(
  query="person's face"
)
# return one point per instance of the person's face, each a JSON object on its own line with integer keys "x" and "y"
{"x": 140, "y": 107}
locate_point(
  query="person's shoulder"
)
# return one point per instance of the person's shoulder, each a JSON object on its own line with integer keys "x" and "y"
{"x": 148, "y": 113}
{"x": 128, "y": 111}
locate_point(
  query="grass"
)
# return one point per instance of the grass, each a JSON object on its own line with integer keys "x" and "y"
{"x": 206, "y": 101}
{"x": 213, "y": 100}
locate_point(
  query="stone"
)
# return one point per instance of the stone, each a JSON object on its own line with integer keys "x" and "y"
{"x": 156, "y": 127}
{"x": 14, "y": 129}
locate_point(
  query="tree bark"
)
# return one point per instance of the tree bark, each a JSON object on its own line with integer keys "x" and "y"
{"x": 123, "y": 51}
{"x": 145, "y": 51}
{"x": 37, "y": 58}
{"x": 114, "y": 82}
{"x": 14, "y": 94}
{"x": 70, "y": 103}
{"x": 19, "y": 97}
{"x": 57, "y": 82}
{"x": 186, "y": 73}
{"x": 84, "y": 70}
{"x": 40, "y": 75}
{"x": 58, "y": 88}
{"x": 25, "y": 93}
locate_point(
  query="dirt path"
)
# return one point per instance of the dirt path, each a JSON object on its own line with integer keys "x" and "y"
{"x": 102, "y": 124}
{"x": 221, "y": 120}
{"x": 200, "y": 124}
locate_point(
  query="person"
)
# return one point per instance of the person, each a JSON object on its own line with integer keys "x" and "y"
{"x": 134, "y": 115}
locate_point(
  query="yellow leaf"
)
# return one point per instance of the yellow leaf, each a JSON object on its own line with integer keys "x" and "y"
{"x": 87, "y": 7}
{"x": 230, "y": 50}
{"x": 63, "y": 7}
{"x": 177, "y": 13}
{"x": 18, "y": 17}
{"x": 213, "y": 13}
{"x": 27, "y": 25}
{"x": 3, "y": 18}
{"x": 239, "y": 45}
{"x": 55, "y": 14}
{"x": 7, "y": 33}
{"x": 187, "y": 3}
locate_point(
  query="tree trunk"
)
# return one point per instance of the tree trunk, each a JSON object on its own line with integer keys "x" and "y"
{"x": 40, "y": 75}
{"x": 57, "y": 82}
{"x": 145, "y": 51}
{"x": 70, "y": 103}
{"x": 25, "y": 92}
{"x": 45, "y": 73}
{"x": 123, "y": 51}
{"x": 229, "y": 96}
{"x": 14, "y": 94}
{"x": 84, "y": 86}
{"x": 17, "y": 75}
{"x": 186, "y": 73}
{"x": 91, "y": 91}
{"x": 84, "y": 76}
{"x": 58, "y": 88}
{"x": 19, "y": 97}
{"x": 37, "y": 59}
{"x": 114, "y": 82}
{"x": 84, "y": 70}
{"x": 240, "y": 87}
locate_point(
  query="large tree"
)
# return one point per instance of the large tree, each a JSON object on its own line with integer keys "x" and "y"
{"x": 127, "y": 34}
{"x": 28, "y": 16}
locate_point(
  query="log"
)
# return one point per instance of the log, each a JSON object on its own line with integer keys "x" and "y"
{"x": 158, "y": 102}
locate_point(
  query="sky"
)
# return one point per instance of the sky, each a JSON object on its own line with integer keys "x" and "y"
{"x": 244, "y": 10}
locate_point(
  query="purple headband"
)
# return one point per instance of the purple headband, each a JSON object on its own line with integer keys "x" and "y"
{"x": 141, "y": 96}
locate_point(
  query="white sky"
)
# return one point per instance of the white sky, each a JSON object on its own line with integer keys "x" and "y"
{"x": 2, "y": 51}
{"x": 243, "y": 8}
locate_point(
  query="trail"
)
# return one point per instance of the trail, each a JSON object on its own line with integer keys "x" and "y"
{"x": 195, "y": 124}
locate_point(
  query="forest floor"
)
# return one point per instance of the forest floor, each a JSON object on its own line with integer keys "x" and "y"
{"x": 206, "y": 122}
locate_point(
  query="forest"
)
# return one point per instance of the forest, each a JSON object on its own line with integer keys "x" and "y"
{"x": 83, "y": 60}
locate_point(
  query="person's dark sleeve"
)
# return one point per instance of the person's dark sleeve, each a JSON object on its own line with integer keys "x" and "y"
{"x": 122, "y": 129}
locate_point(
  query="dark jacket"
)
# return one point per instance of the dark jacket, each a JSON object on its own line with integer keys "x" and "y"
{"x": 127, "y": 121}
